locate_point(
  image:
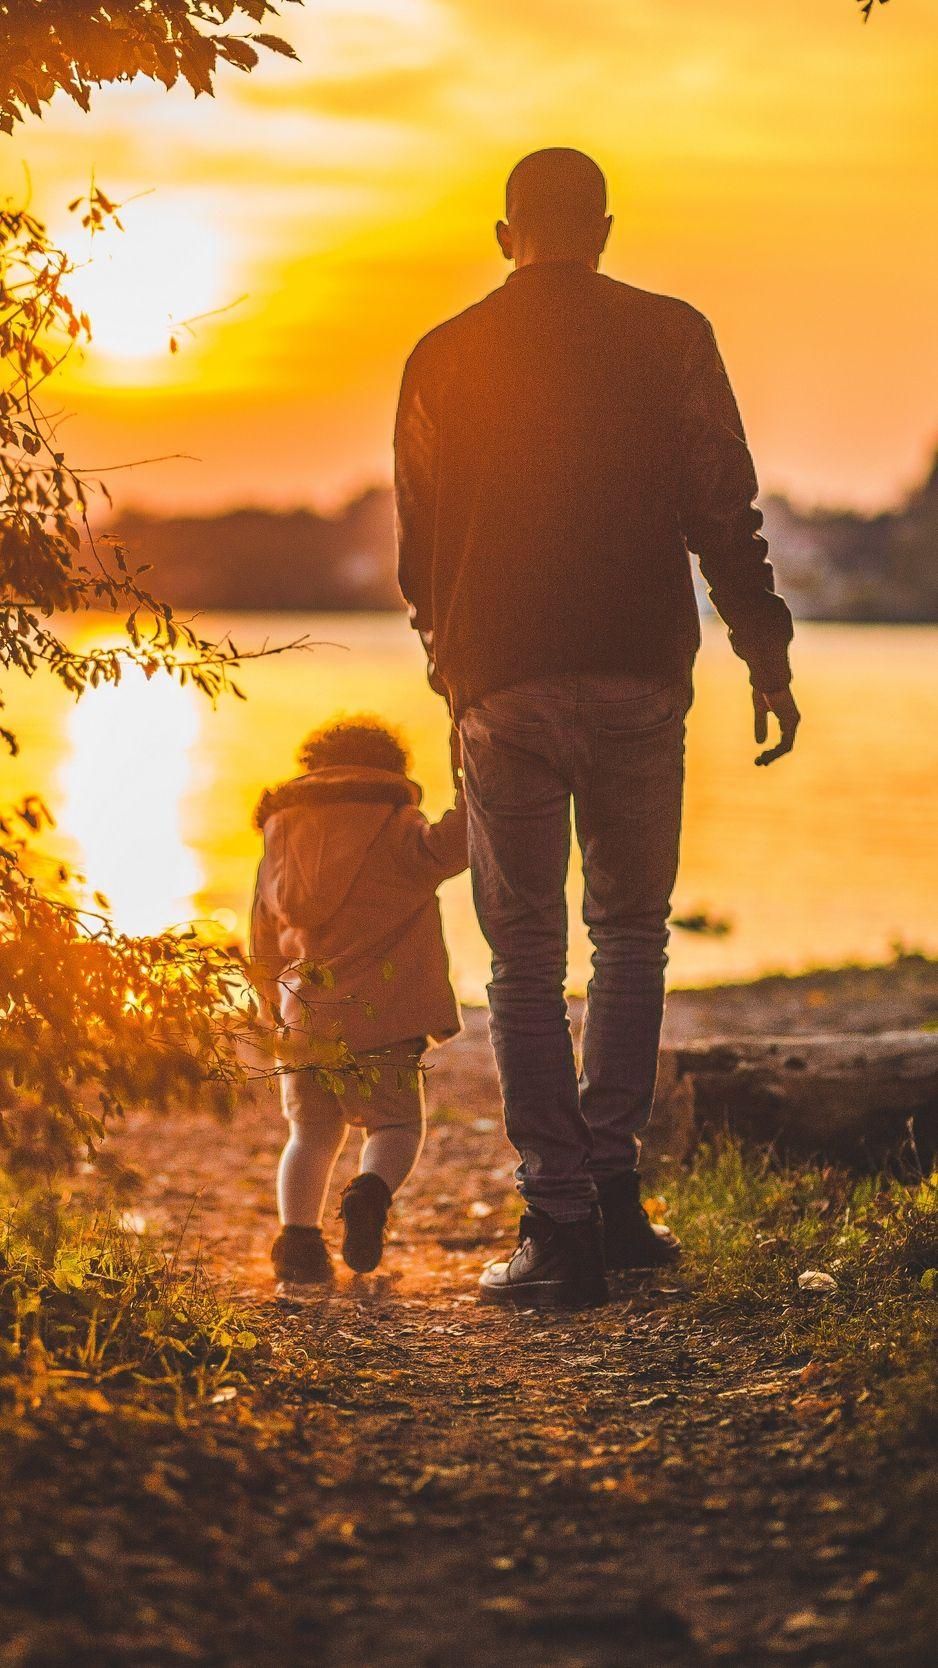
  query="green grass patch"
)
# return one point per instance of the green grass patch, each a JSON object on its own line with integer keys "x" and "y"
{"x": 751, "y": 1228}
{"x": 100, "y": 1304}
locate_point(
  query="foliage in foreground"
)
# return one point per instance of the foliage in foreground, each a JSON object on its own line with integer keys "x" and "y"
{"x": 98, "y": 1304}
{"x": 77, "y": 45}
{"x": 90, "y": 1020}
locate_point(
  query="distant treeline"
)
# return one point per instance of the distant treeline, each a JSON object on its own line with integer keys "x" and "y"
{"x": 837, "y": 565}
{"x": 831, "y": 564}
{"x": 269, "y": 559}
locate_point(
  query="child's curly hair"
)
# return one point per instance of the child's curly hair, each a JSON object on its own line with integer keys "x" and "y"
{"x": 360, "y": 740}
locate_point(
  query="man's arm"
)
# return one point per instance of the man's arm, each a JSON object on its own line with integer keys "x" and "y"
{"x": 718, "y": 516}
{"x": 722, "y": 526}
{"x": 415, "y": 442}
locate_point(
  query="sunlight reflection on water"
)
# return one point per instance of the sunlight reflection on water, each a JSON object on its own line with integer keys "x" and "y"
{"x": 827, "y": 857}
{"x": 124, "y": 788}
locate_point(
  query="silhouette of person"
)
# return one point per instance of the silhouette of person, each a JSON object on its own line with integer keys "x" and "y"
{"x": 560, "y": 447}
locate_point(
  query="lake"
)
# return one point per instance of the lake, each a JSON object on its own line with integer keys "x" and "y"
{"x": 828, "y": 856}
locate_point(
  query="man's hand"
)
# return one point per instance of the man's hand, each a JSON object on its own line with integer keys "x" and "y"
{"x": 782, "y": 703}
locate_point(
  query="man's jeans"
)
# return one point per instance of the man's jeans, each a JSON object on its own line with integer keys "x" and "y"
{"x": 615, "y": 744}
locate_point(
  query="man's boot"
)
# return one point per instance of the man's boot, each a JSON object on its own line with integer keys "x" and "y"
{"x": 558, "y": 1263}
{"x": 632, "y": 1241}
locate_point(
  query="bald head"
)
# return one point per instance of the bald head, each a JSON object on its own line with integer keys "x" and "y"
{"x": 555, "y": 208}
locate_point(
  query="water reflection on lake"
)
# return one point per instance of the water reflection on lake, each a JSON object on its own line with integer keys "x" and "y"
{"x": 828, "y": 856}
{"x": 123, "y": 797}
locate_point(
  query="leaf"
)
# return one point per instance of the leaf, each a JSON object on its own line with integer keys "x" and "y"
{"x": 94, "y": 1401}
{"x": 817, "y": 1281}
{"x": 656, "y": 1208}
{"x": 274, "y": 43}
{"x": 238, "y": 52}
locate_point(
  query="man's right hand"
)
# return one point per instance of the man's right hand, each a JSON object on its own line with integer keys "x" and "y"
{"x": 782, "y": 703}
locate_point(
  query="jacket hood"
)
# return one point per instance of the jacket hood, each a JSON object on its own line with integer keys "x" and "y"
{"x": 338, "y": 784}
{"x": 332, "y": 819}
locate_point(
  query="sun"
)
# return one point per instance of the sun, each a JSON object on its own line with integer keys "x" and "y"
{"x": 142, "y": 285}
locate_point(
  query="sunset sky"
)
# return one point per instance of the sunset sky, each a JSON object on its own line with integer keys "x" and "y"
{"x": 775, "y": 164}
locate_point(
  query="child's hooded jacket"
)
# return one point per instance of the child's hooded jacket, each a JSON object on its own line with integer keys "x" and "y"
{"x": 348, "y": 881}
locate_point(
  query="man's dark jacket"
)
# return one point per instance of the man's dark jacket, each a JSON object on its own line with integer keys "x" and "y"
{"x": 559, "y": 448}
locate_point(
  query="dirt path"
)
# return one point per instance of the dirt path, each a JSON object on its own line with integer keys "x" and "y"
{"x": 460, "y": 1207}
{"x": 421, "y": 1480}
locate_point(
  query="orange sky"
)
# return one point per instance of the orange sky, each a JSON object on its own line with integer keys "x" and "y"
{"x": 775, "y": 164}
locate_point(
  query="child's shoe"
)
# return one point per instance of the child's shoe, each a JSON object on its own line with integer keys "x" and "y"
{"x": 364, "y": 1211}
{"x": 300, "y": 1257}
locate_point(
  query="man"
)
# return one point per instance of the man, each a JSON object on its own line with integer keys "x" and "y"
{"x": 560, "y": 446}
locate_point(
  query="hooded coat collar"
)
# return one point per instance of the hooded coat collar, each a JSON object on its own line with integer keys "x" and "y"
{"x": 338, "y": 784}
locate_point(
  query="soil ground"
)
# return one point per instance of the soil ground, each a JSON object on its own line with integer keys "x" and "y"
{"x": 412, "y": 1478}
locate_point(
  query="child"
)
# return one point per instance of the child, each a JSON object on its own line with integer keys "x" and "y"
{"x": 348, "y": 882}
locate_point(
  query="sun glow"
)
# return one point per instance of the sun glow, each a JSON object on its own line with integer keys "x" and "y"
{"x": 143, "y": 287}
{"x": 352, "y": 195}
{"x": 124, "y": 783}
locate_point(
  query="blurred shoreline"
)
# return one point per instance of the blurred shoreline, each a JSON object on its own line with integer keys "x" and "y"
{"x": 831, "y": 565}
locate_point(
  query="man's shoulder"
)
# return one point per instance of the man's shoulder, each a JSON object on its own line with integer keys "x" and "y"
{"x": 437, "y": 342}
{"x": 655, "y": 307}
{"x": 665, "y": 318}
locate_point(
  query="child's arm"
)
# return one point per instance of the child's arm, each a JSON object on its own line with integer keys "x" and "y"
{"x": 436, "y": 850}
{"x": 266, "y": 960}
{"x": 448, "y": 839}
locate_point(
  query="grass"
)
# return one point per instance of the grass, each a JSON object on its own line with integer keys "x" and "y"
{"x": 97, "y": 1303}
{"x": 751, "y": 1227}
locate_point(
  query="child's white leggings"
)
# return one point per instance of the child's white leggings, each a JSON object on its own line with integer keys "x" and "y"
{"x": 318, "y": 1133}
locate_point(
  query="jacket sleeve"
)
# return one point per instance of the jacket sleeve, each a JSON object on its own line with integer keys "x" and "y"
{"x": 415, "y": 470}
{"x": 718, "y": 516}
{"x": 435, "y": 851}
{"x": 266, "y": 960}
